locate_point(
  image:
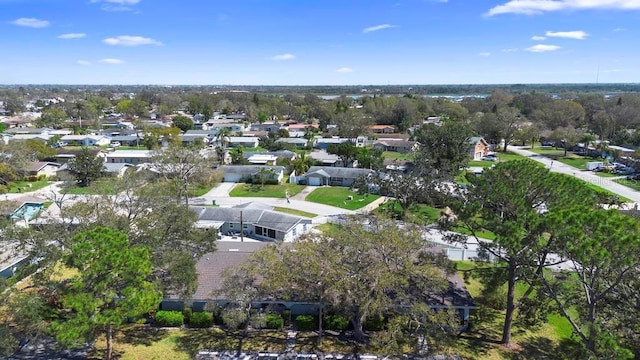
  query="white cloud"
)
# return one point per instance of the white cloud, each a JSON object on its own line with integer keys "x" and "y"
{"x": 283, "y": 57}
{"x": 484, "y": 54}
{"x": 31, "y": 22}
{"x": 122, "y": 2}
{"x": 344, "y": 70}
{"x": 539, "y": 48}
{"x": 378, "y": 28}
{"x": 72, "y": 36}
{"x": 85, "y": 62}
{"x": 618, "y": 29}
{"x": 535, "y": 7}
{"x": 116, "y": 5}
{"x": 111, "y": 61}
{"x": 578, "y": 35}
{"x": 128, "y": 40}
{"x": 509, "y": 50}
{"x": 538, "y": 38}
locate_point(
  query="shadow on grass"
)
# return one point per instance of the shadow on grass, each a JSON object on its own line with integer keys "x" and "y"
{"x": 195, "y": 340}
{"x": 543, "y": 348}
{"x": 141, "y": 335}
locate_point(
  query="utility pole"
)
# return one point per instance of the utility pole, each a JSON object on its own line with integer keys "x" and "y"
{"x": 241, "y": 228}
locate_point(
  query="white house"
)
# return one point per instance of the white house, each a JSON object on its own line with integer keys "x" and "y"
{"x": 129, "y": 157}
{"x": 39, "y": 168}
{"x": 86, "y": 140}
{"x": 244, "y": 141}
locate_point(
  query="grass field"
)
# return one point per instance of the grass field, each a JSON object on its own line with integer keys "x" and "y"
{"x": 480, "y": 163}
{"x": 294, "y": 212}
{"x": 396, "y": 155}
{"x": 98, "y": 187}
{"x": 337, "y": 196}
{"x": 632, "y": 184}
{"x": 26, "y": 186}
{"x": 577, "y": 161}
{"x": 508, "y": 156}
{"x": 420, "y": 214}
{"x": 274, "y": 191}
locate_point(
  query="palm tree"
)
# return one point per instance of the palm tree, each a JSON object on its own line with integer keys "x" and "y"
{"x": 223, "y": 137}
{"x": 302, "y": 163}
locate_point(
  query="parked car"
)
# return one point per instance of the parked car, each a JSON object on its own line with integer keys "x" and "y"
{"x": 625, "y": 171}
{"x": 115, "y": 144}
{"x": 490, "y": 157}
{"x": 633, "y": 177}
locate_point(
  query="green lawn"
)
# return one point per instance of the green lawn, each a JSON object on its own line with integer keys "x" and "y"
{"x": 274, "y": 191}
{"x": 294, "y": 212}
{"x": 546, "y": 150}
{"x": 633, "y": 184}
{"x": 337, "y": 196}
{"x": 255, "y": 149}
{"x": 396, "y": 155}
{"x": 420, "y": 214}
{"x": 508, "y": 156}
{"x": 98, "y": 187}
{"x": 480, "y": 163}
{"x": 607, "y": 175}
{"x": 26, "y": 186}
{"x": 577, "y": 161}
{"x": 141, "y": 147}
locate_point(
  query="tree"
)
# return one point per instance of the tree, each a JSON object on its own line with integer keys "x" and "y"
{"x": 443, "y": 150}
{"x": 53, "y": 117}
{"x": 302, "y": 163}
{"x": 511, "y": 200}
{"x": 601, "y": 248}
{"x": 182, "y": 166}
{"x": 182, "y": 122}
{"x": 508, "y": 119}
{"x": 86, "y": 166}
{"x": 360, "y": 270}
{"x": 346, "y": 151}
{"x": 237, "y": 155}
{"x": 109, "y": 286}
{"x": 41, "y": 150}
{"x": 369, "y": 158}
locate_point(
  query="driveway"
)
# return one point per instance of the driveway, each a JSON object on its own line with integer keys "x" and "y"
{"x": 220, "y": 190}
{"x": 588, "y": 176}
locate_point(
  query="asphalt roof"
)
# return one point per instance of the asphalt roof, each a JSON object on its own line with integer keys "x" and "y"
{"x": 342, "y": 172}
{"x": 261, "y": 217}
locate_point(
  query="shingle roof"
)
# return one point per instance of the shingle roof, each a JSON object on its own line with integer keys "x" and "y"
{"x": 343, "y": 172}
{"x": 249, "y": 169}
{"x": 270, "y": 219}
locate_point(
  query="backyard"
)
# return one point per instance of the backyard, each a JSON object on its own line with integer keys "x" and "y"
{"x": 340, "y": 197}
{"x": 98, "y": 187}
{"x": 27, "y": 186}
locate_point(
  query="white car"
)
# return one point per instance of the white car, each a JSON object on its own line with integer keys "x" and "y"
{"x": 490, "y": 158}
{"x": 115, "y": 144}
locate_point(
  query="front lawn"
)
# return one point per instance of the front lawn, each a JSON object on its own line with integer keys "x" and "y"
{"x": 577, "y": 161}
{"x": 508, "y": 156}
{"x": 632, "y": 184}
{"x": 98, "y": 187}
{"x": 273, "y": 191}
{"x": 397, "y": 156}
{"x": 480, "y": 163}
{"x": 26, "y": 186}
{"x": 339, "y": 197}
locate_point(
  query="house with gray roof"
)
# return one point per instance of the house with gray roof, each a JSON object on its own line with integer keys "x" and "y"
{"x": 298, "y": 142}
{"x": 253, "y": 221}
{"x": 396, "y": 145}
{"x": 334, "y": 176}
{"x": 127, "y": 140}
{"x": 248, "y": 173}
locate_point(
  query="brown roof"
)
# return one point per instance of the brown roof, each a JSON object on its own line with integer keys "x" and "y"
{"x": 38, "y": 165}
{"x": 211, "y": 265}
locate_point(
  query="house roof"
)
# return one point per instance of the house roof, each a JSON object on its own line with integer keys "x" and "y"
{"x": 113, "y": 167}
{"x": 317, "y": 173}
{"x": 343, "y": 172}
{"x": 126, "y": 138}
{"x": 261, "y": 217}
{"x": 38, "y": 165}
{"x": 332, "y": 140}
{"x": 286, "y": 154}
{"x": 233, "y": 139}
{"x": 211, "y": 266}
{"x": 82, "y": 137}
{"x": 381, "y": 127}
{"x": 474, "y": 140}
{"x": 131, "y": 154}
{"x": 396, "y": 142}
{"x": 249, "y": 169}
{"x": 302, "y": 141}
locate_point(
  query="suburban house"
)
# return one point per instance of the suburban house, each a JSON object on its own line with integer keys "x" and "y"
{"x": 382, "y": 129}
{"x": 190, "y": 139}
{"x": 400, "y": 146}
{"x": 48, "y": 169}
{"x": 258, "y": 222}
{"x": 23, "y": 137}
{"x": 324, "y": 143}
{"x": 127, "y": 140}
{"x": 117, "y": 170}
{"x": 271, "y": 127}
{"x": 129, "y": 157}
{"x": 334, "y": 176}
{"x": 262, "y": 159}
{"x": 242, "y": 173}
{"x": 244, "y": 141}
{"x": 234, "y": 127}
{"x": 279, "y": 155}
{"x": 326, "y": 159}
{"x": 228, "y": 254}
{"x": 478, "y": 148}
{"x": 64, "y": 155}
{"x": 85, "y": 140}
{"x": 299, "y": 143}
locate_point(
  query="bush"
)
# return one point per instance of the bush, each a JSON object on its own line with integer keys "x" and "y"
{"x": 374, "y": 323}
{"x": 305, "y": 322}
{"x": 187, "y": 314}
{"x": 336, "y": 322}
{"x": 274, "y": 321}
{"x": 169, "y": 318}
{"x": 201, "y": 320}
{"x": 495, "y": 298}
{"x": 32, "y": 178}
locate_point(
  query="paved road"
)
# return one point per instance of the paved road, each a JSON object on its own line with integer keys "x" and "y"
{"x": 588, "y": 176}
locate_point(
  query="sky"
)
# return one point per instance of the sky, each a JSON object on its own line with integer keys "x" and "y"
{"x": 319, "y": 42}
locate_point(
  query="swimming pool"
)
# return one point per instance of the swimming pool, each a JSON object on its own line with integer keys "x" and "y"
{"x": 27, "y": 211}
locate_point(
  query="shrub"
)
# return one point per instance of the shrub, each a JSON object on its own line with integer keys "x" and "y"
{"x": 495, "y": 298}
{"x": 374, "y": 323}
{"x": 201, "y": 320}
{"x": 305, "y": 322}
{"x": 336, "y": 322}
{"x": 274, "y": 321}
{"x": 169, "y": 318}
{"x": 32, "y": 178}
{"x": 187, "y": 314}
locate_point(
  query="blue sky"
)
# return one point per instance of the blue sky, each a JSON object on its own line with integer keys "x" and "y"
{"x": 319, "y": 42}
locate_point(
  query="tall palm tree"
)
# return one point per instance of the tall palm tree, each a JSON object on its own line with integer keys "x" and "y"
{"x": 222, "y": 137}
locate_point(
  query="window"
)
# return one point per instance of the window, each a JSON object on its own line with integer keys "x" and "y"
{"x": 259, "y": 230}
{"x": 230, "y": 225}
{"x": 245, "y": 226}
{"x": 304, "y": 227}
{"x": 294, "y": 231}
